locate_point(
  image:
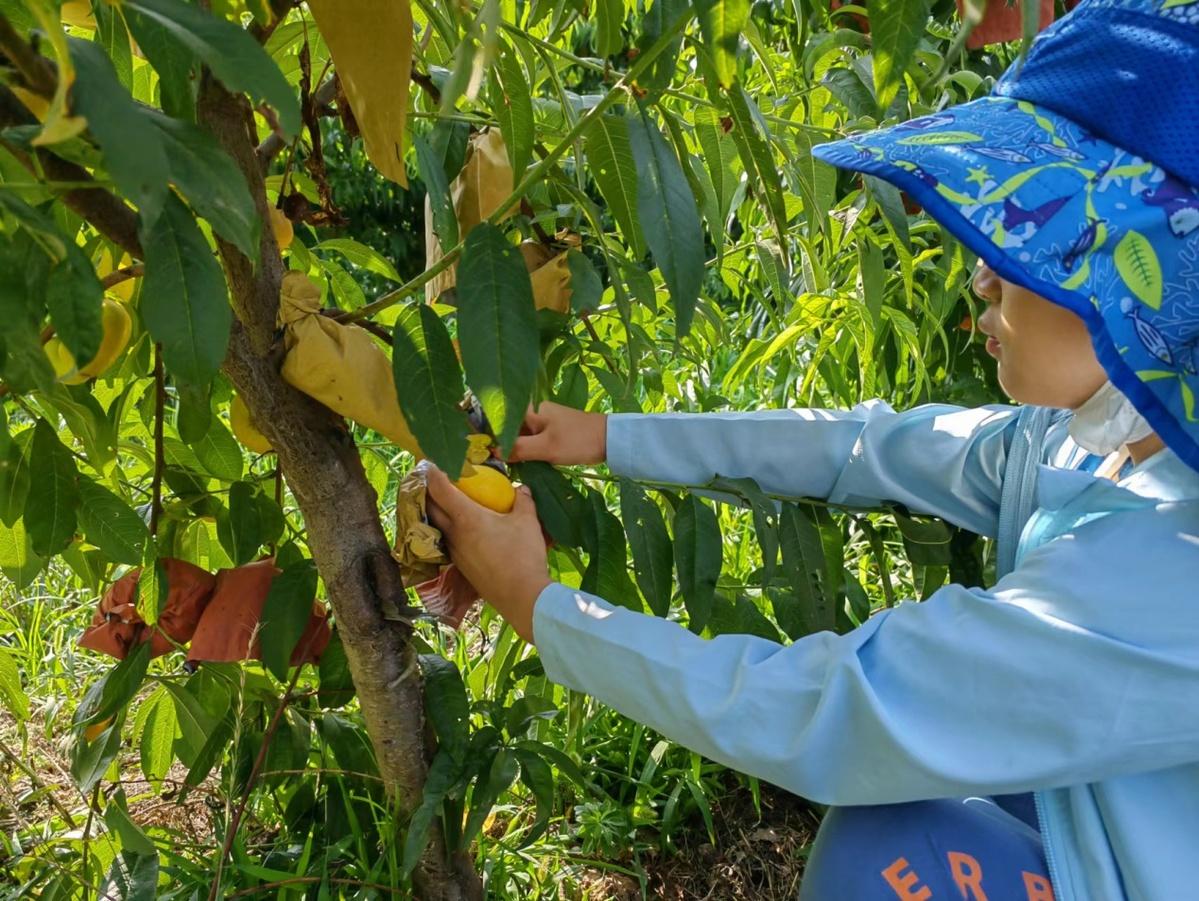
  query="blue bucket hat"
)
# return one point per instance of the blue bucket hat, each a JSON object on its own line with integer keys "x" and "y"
{"x": 1077, "y": 179}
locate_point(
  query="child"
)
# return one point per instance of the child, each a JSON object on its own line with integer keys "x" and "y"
{"x": 1074, "y": 677}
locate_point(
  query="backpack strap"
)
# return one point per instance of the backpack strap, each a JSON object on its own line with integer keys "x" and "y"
{"x": 1018, "y": 494}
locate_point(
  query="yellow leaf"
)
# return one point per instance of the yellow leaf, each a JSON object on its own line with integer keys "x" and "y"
{"x": 59, "y": 124}
{"x": 371, "y": 45}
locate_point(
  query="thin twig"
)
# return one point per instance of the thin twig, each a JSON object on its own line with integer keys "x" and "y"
{"x": 160, "y": 396}
{"x": 135, "y": 270}
{"x": 268, "y": 736}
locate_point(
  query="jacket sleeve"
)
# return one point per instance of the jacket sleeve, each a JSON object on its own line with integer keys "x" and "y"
{"x": 936, "y": 459}
{"x": 1063, "y": 674}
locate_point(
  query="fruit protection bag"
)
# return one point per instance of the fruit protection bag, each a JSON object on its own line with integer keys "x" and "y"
{"x": 549, "y": 272}
{"x": 117, "y": 626}
{"x": 484, "y": 183}
{"x": 443, "y": 590}
{"x": 339, "y": 365}
{"x": 229, "y": 628}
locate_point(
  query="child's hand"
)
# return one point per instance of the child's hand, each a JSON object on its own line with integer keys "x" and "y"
{"x": 501, "y": 554}
{"x": 562, "y": 436}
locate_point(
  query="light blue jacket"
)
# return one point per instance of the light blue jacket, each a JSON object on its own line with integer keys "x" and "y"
{"x": 1076, "y": 676}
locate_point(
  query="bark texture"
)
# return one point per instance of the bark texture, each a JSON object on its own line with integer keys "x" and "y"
{"x": 340, "y": 509}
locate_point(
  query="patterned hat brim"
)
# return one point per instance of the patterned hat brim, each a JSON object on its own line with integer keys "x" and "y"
{"x": 1071, "y": 217}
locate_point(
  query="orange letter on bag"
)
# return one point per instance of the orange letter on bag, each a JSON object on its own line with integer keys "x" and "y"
{"x": 1037, "y": 887}
{"x": 904, "y": 884}
{"x": 967, "y": 874}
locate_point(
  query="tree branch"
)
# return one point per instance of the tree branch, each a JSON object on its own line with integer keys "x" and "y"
{"x": 111, "y": 216}
{"x": 273, "y": 145}
{"x": 37, "y": 71}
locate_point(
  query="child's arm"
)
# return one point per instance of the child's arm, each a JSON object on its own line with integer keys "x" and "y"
{"x": 936, "y": 459}
{"x": 1046, "y": 680}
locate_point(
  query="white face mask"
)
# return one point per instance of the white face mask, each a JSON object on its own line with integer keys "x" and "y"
{"x": 1107, "y": 422}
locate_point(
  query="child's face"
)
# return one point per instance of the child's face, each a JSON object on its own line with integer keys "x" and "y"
{"x": 1044, "y": 352}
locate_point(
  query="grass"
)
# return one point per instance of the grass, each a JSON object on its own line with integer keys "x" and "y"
{"x": 649, "y": 819}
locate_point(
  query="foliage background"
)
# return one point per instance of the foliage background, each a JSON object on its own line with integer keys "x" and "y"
{"x": 808, "y": 288}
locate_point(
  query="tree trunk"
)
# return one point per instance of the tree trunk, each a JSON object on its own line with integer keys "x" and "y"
{"x": 340, "y": 510}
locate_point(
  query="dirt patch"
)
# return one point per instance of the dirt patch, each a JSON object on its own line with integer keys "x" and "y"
{"x": 754, "y": 857}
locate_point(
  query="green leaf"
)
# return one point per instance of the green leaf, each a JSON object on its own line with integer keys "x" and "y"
{"x": 446, "y": 704}
{"x": 720, "y": 152}
{"x": 721, "y": 23}
{"x": 615, "y": 172}
{"x": 444, "y": 774}
{"x": 235, "y": 58}
{"x": 53, "y": 498}
{"x": 537, "y": 776}
{"x": 362, "y": 256}
{"x": 194, "y": 413}
{"x": 110, "y": 523}
{"x": 847, "y": 86}
{"x": 337, "y": 683}
{"x": 131, "y": 836}
{"x": 697, "y": 557}
{"x": 586, "y": 287}
{"x": 886, "y": 195}
{"x": 157, "y": 734}
{"x": 449, "y": 139}
{"x": 133, "y": 151}
{"x": 512, "y": 104}
{"x": 17, "y": 558}
{"x": 176, "y": 65}
{"x": 607, "y": 573}
{"x": 429, "y": 379}
{"x": 184, "y": 302}
{"x": 11, "y": 691}
{"x": 670, "y": 218}
{"x": 609, "y": 20}
{"x": 896, "y": 28}
{"x": 112, "y": 35}
{"x": 74, "y": 296}
{"x": 765, "y": 515}
{"x": 803, "y": 559}
{"x": 658, "y": 20}
{"x": 211, "y": 182}
{"x": 497, "y": 329}
{"x": 90, "y": 759}
{"x": 740, "y": 617}
{"x": 504, "y": 768}
{"x": 132, "y": 877}
{"x": 14, "y": 479}
{"x": 241, "y": 530}
{"x": 650, "y": 544}
{"x": 216, "y": 743}
{"x": 116, "y": 689}
{"x": 927, "y": 542}
{"x": 757, "y": 158}
{"x": 219, "y": 453}
{"x": 441, "y": 204}
{"x": 560, "y": 506}
{"x": 817, "y": 184}
{"x": 286, "y": 612}
{"x": 195, "y": 723}
{"x": 1138, "y": 265}
{"x": 152, "y": 587}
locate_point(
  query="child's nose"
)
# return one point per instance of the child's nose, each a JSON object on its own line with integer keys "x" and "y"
{"x": 985, "y": 283}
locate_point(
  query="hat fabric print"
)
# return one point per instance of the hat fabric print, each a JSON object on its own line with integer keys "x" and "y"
{"x": 1078, "y": 179}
